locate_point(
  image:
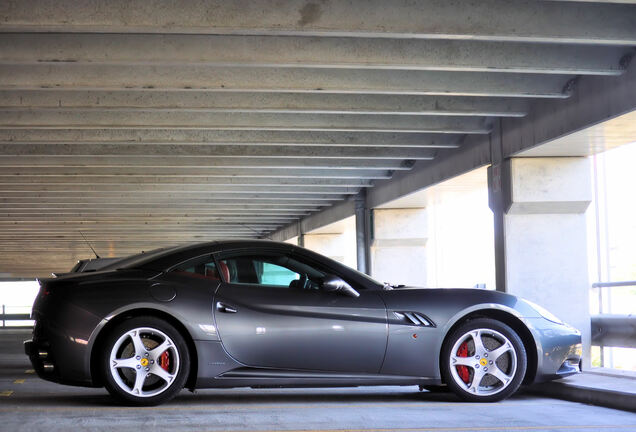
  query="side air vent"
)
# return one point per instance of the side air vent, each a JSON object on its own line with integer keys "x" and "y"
{"x": 414, "y": 318}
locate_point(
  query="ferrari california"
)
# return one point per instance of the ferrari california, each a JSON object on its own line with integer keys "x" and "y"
{"x": 266, "y": 314}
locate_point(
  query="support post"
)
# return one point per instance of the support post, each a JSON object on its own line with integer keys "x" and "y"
{"x": 540, "y": 234}
{"x": 301, "y": 235}
{"x": 363, "y": 232}
{"x": 499, "y": 202}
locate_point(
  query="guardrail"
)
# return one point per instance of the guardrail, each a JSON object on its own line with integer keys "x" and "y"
{"x": 614, "y": 330}
{"x": 613, "y": 284}
{"x": 4, "y": 317}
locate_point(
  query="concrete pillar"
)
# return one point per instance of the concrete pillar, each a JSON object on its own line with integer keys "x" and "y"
{"x": 540, "y": 204}
{"x": 336, "y": 241}
{"x": 301, "y": 235}
{"x": 399, "y": 246}
{"x": 363, "y": 233}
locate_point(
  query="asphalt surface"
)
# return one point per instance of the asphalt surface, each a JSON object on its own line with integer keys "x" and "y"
{"x": 28, "y": 403}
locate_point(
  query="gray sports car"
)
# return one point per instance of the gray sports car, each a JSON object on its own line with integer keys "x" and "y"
{"x": 267, "y": 314}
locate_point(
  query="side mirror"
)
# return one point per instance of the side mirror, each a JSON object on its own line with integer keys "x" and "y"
{"x": 331, "y": 283}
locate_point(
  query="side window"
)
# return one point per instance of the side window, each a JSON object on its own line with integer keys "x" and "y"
{"x": 199, "y": 268}
{"x": 271, "y": 270}
{"x": 273, "y": 274}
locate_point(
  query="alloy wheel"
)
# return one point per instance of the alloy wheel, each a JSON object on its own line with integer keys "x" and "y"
{"x": 483, "y": 362}
{"x": 144, "y": 362}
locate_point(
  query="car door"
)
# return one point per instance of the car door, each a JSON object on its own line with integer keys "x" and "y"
{"x": 271, "y": 313}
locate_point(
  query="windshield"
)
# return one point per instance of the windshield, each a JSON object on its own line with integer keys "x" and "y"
{"x": 342, "y": 268}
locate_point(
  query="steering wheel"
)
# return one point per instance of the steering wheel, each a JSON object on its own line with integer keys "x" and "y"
{"x": 301, "y": 283}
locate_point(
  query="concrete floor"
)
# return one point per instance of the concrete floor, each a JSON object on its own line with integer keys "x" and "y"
{"x": 28, "y": 403}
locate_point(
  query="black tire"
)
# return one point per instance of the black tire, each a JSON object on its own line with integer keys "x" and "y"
{"x": 516, "y": 366}
{"x": 149, "y": 330}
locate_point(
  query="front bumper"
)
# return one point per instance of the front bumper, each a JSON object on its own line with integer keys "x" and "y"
{"x": 559, "y": 349}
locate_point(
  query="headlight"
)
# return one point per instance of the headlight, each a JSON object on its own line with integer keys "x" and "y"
{"x": 544, "y": 312}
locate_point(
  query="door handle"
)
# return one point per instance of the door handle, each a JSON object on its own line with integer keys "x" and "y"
{"x": 222, "y": 307}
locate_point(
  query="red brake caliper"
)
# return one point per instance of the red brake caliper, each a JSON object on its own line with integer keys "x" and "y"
{"x": 164, "y": 361}
{"x": 462, "y": 371}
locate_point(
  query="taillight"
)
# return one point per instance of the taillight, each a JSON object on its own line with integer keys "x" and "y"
{"x": 45, "y": 289}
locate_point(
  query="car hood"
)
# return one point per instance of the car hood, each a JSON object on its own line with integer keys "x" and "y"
{"x": 454, "y": 301}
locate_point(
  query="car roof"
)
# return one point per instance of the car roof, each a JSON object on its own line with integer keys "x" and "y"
{"x": 164, "y": 259}
{"x": 160, "y": 259}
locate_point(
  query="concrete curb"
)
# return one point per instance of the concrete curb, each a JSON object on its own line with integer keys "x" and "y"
{"x": 593, "y": 396}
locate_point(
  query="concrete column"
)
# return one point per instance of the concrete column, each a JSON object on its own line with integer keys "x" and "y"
{"x": 541, "y": 204}
{"x": 301, "y": 235}
{"x": 399, "y": 246}
{"x": 336, "y": 241}
{"x": 363, "y": 232}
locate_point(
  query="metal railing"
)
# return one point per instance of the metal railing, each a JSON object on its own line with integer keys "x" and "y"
{"x": 8, "y": 317}
{"x": 613, "y": 330}
{"x": 613, "y": 284}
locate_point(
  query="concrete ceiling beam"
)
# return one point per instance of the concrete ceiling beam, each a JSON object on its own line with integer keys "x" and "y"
{"x": 144, "y": 219}
{"x": 52, "y": 226}
{"x": 193, "y": 173}
{"x": 307, "y": 80}
{"x": 127, "y": 233}
{"x": 245, "y": 102}
{"x": 493, "y": 20}
{"x": 228, "y": 182}
{"x": 23, "y": 214}
{"x": 302, "y": 51}
{"x": 145, "y": 242}
{"x": 115, "y": 233}
{"x": 134, "y": 244}
{"x": 218, "y": 151}
{"x": 207, "y": 162}
{"x": 149, "y": 206}
{"x": 139, "y": 213}
{"x": 109, "y": 220}
{"x": 97, "y": 118}
{"x": 80, "y": 247}
{"x": 197, "y": 189}
{"x": 167, "y": 200}
{"x": 171, "y": 198}
{"x": 193, "y": 136}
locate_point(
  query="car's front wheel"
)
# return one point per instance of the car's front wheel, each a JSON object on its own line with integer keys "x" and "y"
{"x": 145, "y": 361}
{"x": 483, "y": 360}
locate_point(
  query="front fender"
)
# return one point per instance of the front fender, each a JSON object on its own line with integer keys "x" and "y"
{"x": 415, "y": 350}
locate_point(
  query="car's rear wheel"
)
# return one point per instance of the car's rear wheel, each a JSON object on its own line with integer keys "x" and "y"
{"x": 483, "y": 360}
{"x": 145, "y": 361}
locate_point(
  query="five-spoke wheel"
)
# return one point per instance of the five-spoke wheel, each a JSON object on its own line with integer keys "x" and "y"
{"x": 147, "y": 361}
{"x": 483, "y": 360}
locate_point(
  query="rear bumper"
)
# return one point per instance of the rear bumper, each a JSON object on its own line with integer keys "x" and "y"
{"x": 41, "y": 360}
{"x": 59, "y": 351}
{"x": 49, "y": 368}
